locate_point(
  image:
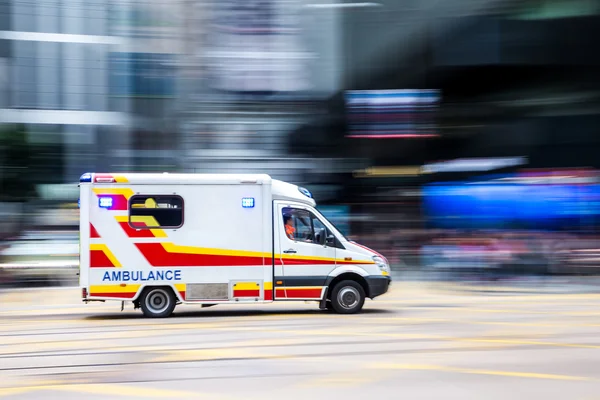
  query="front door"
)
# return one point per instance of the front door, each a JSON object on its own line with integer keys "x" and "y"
{"x": 305, "y": 258}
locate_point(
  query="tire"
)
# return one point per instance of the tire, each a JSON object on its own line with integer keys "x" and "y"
{"x": 348, "y": 297}
{"x": 157, "y": 302}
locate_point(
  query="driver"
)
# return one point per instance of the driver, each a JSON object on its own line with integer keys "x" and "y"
{"x": 290, "y": 231}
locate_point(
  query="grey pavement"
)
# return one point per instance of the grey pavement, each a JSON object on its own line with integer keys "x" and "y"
{"x": 423, "y": 340}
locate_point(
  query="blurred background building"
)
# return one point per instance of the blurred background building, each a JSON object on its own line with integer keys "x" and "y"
{"x": 371, "y": 104}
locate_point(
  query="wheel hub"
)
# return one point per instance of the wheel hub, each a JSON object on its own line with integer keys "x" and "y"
{"x": 157, "y": 301}
{"x": 348, "y": 297}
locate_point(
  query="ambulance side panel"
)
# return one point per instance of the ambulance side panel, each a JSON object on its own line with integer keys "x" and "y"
{"x": 84, "y": 235}
{"x": 221, "y": 253}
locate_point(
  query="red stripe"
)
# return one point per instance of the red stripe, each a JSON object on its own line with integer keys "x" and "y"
{"x": 182, "y": 293}
{"x": 93, "y": 232}
{"x": 115, "y": 295}
{"x": 268, "y": 295}
{"x": 296, "y": 261}
{"x": 99, "y": 260}
{"x": 135, "y": 233}
{"x": 246, "y": 293}
{"x": 303, "y": 293}
{"x": 157, "y": 256}
{"x": 279, "y": 293}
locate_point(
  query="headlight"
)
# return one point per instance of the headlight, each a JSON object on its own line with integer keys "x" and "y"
{"x": 382, "y": 264}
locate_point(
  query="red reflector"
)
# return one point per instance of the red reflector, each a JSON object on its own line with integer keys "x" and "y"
{"x": 84, "y": 293}
{"x": 105, "y": 180}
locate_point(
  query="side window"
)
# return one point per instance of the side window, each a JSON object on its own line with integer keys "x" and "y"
{"x": 156, "y": 211}
{"x": 320, "y": 230}
{"x": 303, "y": 226}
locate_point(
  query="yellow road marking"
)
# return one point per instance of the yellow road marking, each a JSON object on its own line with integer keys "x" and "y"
{"x": 433, "y": 337}
{"x": 463, "y": 309}
{"x": 14, "y": 391}
{"x": 104, "y": 389}
{"x": 125, "y": 390}
{"x": 350, "y": 379}
{"x": 468, "y": 322}
{"x": 87, "y": 338}
{"x": 514, "y": 374}
{"x": 527, "y": 342}
{"x": 170, "y": 348}
{"x": 203, "y": 355}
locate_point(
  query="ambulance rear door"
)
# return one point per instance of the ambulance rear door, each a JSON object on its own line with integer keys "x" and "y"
{"x": 84, "y": 234}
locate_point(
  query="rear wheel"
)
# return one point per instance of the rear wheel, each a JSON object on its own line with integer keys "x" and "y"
{"x": 348, "y": 297}
{"x": 157, "y": 302}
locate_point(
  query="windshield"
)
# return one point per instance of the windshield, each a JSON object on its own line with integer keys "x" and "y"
{"x": 335, "y": 230}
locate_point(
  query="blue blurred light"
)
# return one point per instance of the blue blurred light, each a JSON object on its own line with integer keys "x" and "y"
{"x": 78, "y": 203}
{"x": 105, "y": 202}
{"x": 87, "y": 177}
{"x": 248, "y": 202}
{"x": 305, "y": 192}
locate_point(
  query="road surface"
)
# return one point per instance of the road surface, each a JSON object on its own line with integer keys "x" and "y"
{"x": 421, "y": 341}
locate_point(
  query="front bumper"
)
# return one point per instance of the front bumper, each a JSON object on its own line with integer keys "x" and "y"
{"x": 378, "y": 285}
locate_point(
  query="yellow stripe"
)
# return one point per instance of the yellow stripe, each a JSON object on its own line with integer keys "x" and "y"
{"x": 174, "y": 248}
{"x": 246, "y": 286}
{"x": 104, "y": 248}
{"x": 120, "y": 179}
{"x": 286, "y": 257}
{"x": 180, "y": 287}
{"x": 122, "y": 191}
{"x": 114, "y": 288}
{"x": 149, "y": 220}
{"x": 341, "y": 261}
{"x": 268, "y": 285}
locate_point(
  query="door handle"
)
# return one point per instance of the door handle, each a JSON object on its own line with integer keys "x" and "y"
{"x": 290, "y": 251}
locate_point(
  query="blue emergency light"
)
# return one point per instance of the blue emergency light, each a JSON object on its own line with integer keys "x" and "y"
{"x": 248, "y": 202}
{"x": 105, "y": 202}
{"x": 87, "y": 177}
{"x": 305, "y": 192}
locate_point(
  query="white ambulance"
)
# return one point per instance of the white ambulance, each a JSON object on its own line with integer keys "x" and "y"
{"x": 160, "y": 240}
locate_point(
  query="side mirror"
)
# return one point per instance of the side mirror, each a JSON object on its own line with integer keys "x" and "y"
{"x": 330, "y": 241}
{"x": 320, "y": 236}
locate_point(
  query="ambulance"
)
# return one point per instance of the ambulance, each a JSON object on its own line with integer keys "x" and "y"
{"x": 160, "y": 240}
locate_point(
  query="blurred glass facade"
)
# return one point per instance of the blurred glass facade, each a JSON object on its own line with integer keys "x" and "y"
{"x": 88, "y": 78}
{"x": 263, "y": 86}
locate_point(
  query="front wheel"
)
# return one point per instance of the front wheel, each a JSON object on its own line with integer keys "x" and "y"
{"x": 348, "y": 297}
{"x": 157, "y": 302}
